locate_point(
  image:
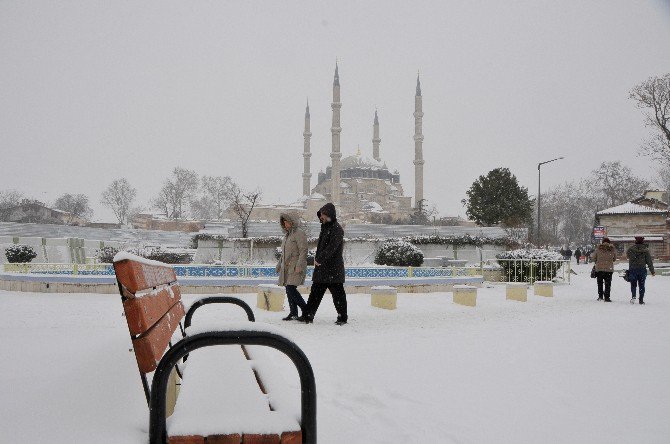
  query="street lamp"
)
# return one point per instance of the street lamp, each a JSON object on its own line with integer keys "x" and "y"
{"x": 537, "y": 236}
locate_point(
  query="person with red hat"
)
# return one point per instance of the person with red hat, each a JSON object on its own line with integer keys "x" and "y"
{"x": 639, "y": 259}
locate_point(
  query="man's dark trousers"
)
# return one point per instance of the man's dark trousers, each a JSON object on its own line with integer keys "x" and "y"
{"x": 604, "y": 277}
{"x": 339, "y": 299}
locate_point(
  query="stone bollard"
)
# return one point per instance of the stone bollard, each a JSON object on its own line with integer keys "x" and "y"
{"x": 517, "y": 291}
{"x": 465, "y": 295}
{"x": 270, "y": 297}
{"x": 384, "y": 297}
{"x": 544, "y": 288}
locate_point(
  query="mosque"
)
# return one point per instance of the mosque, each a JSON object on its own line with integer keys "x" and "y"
{"x": 361, "y": 188}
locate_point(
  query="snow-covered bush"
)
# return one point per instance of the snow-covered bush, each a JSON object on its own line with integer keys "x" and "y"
{"x": 18, "y": 254}
{"x": 105, "y": 255}
{"x": 166, "y": 256}
{"x": 399, "y": 253}
{"x": 529, "y": 265}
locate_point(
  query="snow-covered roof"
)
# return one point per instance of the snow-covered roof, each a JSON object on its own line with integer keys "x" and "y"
{"x": 631, "y": 208}
{"x": 631, "y": 237}
{"x": 358, "y": 161}
{"x": 317, "y": 196}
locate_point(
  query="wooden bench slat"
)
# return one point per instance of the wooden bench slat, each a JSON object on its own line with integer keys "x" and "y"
{"x": 143, "y": 312}
{"x": 224, "y": 439}
{"x": 291, "y": 438}
{"x": 137, "y": 276}
{"x": 194, "y": 439}
{"x": 260, "y": 439}
{"x": 150, "y": 347}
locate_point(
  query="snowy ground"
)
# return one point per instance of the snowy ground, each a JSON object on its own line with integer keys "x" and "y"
{"x": 562, "y": 369}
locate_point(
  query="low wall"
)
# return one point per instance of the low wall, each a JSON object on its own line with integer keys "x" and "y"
{"x": 107, "y": 284}
{"x": 57, "y": 250}
{"x": 355, "y": 252}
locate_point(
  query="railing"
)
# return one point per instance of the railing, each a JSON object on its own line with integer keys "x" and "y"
{"x": 241, "y": 271}
{"x": 527, "y": 270}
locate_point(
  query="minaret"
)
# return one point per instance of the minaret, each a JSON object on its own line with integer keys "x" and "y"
{"x": 335, "y": 130}
{"x": 418, "y": 146}
{"x": 375, "y": 138}
{"x": 306, "y": 175}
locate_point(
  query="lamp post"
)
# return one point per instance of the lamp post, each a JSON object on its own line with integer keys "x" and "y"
{"x": 537, "y": 235}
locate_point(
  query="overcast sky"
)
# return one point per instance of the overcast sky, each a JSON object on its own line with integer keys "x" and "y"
{"x": 93, "y": 91}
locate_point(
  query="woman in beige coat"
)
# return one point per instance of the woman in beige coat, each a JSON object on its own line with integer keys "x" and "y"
{"x": 604, "y": 257}
{"x": 292, "y": 266}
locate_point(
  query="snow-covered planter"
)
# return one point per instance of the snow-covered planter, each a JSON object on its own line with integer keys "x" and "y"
{"x": 399, "y": 253}
{"x": 18, "y": 254}
{"x": 529, "y": 265}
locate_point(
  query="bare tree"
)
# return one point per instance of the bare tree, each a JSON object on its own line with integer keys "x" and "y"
{"x": 177, "y": 193}
{"x": 653, "y": 96}
{"x": 119, "y": 197}
{"x": 616, "y": 184}
{"x": 217, "y": 193}
{"x": 243, "y": 203}
{"x": 10, "y": 198}
{"x": 76, "y": 205}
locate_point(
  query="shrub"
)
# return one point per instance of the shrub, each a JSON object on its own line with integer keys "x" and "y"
{"x": 166, "y": 256}
{"x": 105, "y": 255}
{"x": 18, "y": 254}
{"x": 529, "y": 265}
{"x": 399, "y": 253}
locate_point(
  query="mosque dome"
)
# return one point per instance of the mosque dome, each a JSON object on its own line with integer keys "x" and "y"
{"x": 359, "y": 161}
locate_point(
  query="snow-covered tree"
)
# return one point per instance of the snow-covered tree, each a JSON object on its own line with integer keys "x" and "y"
{"x": 653, "y": 96}
{"x": 177, "y": 193}
{"x": 119, "y": 197}
{"x": 76, "y": 205}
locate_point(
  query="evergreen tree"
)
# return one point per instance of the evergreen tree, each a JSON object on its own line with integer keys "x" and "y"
{"x": 497, "y": 198}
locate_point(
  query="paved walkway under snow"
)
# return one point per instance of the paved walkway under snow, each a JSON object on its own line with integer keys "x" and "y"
{"x": 562, "y": 369}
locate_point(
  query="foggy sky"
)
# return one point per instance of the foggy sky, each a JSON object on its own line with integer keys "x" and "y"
{"x": 93, "y": 91}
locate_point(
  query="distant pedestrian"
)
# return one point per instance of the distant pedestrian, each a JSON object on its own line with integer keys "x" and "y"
{"x": 578, "y": 254}
{"x": 568, "y": 253}
{"x": 639, "y": 259}
{"x": 292, "y": 266}
{"x": 328, "y": 267}
{"x": 604, "y": 257}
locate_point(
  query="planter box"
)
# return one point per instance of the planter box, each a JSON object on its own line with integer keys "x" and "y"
{"x": 465, "y": 295}
{"x": 384, "y": 297}
{"x": 544, "y": 288}
{"x": 270, "y": 297}
{"x": 517, "y": 291}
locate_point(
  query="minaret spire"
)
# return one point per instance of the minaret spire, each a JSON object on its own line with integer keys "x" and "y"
{"x": 418, "y": 146}
{"x": 306, "y": 175}
{"x": 375, "y": 138}
{"x": 335, "y": 131}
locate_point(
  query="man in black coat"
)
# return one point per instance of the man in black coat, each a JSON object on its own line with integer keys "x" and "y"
{"x": 328, "y": 267}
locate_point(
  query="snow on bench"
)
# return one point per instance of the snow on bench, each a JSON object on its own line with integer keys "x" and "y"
{"x": 229, "y": 393}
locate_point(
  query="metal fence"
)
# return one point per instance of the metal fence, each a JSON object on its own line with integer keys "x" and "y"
{"x": 528, "y": 270}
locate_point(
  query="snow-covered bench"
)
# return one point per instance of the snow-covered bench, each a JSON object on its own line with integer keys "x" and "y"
{"x": 227, "y": 394}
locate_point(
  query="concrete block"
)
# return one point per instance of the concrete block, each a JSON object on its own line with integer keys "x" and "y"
{"x": 384, "y": 297}
{"x": 544, "y": 288}
{"x": 465, "y": 295}
{"x": 517, "y": 291}
{"x": 270, "y": 297}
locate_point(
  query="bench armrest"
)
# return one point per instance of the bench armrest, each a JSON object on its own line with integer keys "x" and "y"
{"x": 234, "y": 335}
{"x": 217, "y": 300}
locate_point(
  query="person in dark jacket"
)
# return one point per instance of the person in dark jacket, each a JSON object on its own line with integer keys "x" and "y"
{"x": 568, "y": 254}
{"x": 328, "y": 267}
{"x": 639, "y": 259}
{"x": 604, "y": 257}
{"x": 578, "y": 254}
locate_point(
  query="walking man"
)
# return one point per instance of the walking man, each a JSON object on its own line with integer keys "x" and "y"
{"x": 328, "y": 267}
{"x": 578, "y": 254}
{"x": 639, "y": 259}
